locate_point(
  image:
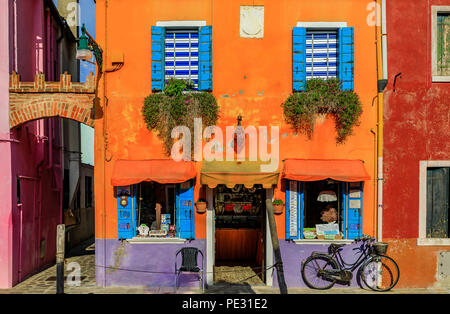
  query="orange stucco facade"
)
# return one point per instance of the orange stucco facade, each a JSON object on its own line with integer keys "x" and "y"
{"x": 251, "y": 77}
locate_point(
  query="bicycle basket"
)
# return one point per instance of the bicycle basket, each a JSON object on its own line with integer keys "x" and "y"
{"x": 379, "y": 248}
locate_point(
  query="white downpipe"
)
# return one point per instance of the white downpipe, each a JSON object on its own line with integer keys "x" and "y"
{"x": 384, "y": 39}
{"x": 380, "y": 157}
{"x": 380, "y": 199}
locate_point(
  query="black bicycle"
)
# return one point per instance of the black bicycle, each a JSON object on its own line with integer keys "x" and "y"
{"x": 378, "y": 271}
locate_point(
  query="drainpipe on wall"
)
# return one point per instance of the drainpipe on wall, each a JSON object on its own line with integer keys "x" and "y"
{"x": 382, "y": 82}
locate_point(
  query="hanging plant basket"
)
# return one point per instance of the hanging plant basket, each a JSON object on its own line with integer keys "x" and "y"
{"x": 278, "y": 206}
{"x": 201, "y": 206}
{"x": 178, "y": 105}
{"x": 323, "y": 97}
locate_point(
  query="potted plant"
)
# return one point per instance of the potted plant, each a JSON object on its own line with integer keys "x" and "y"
{"x": 201, "y": 206}
{"x": 278, "y": 206}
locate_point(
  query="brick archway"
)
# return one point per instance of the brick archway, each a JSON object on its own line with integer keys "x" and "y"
{"x": 40, "y": 99}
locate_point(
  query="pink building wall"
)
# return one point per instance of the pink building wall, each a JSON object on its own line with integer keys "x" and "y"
{"x": 5, "y": 157}
{"x": 33, "y": 160}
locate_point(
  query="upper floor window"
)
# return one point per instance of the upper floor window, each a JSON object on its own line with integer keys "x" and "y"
{"x": 323, "y": 50}
{"x": 182, "y": 50}
{"x": 181, "y": 55}
{"x": 443, "y": 44}
{"x": 321, "y": 54}
{"x": 434, "y": 203}
{"x": 440, "y": 43}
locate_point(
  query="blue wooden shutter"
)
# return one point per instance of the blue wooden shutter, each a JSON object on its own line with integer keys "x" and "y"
{"x": 126, "y": 215}
{"x": 353, "y": 206}
{"x": 205, "y": 58}
{"x": 299, "y": 59}
{"x": 347, "y": 57}
{"x": 185, "y": 210}
{"x": 292, "y": 209}
{"x": 158, "y": 45}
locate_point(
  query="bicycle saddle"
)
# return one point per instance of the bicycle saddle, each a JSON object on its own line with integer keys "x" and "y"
{"x": 336, "y": 246}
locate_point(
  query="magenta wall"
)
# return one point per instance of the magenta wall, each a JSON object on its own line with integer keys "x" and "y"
{"x": 34, "y": 159}
{"x": 5, "y": 157}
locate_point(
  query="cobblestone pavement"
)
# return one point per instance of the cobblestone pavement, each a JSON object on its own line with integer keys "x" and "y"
{"x": 45, "y": 283}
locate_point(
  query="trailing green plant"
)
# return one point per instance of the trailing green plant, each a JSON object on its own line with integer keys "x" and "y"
{"x": 175, "y": 107}
{"x": 323, "y": 97}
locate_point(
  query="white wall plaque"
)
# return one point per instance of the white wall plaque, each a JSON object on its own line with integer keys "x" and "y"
{"x": 252, "y": 21}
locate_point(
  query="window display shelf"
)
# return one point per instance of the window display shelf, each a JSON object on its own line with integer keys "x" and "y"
{"x": 152, "y": 240}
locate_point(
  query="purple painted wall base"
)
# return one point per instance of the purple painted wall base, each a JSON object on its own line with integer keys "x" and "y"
{"x": 151, "y": 265}
{"x": 293, "y": 254}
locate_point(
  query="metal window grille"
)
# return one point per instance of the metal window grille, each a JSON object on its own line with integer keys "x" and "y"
{"x": 181, "y": 55}
{"x": 321, "y": 54}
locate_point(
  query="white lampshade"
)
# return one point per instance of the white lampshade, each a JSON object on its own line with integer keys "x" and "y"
{"x": 84, "y": 54}
{"x": 327, "y": 196}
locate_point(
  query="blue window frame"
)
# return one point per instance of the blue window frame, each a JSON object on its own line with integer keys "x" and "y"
{"x": 322, "y": 54}
{"x": 184, "y": 53}
{"x": 300, "y": 213}
{"x": 128, "y": 210}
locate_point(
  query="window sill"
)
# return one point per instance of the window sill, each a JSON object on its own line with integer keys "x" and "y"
{"x": 317, "y": 241}
{"x": 433, "y": 242}
{"x": 139, "y": 240}
{"x": 440, "y": 79}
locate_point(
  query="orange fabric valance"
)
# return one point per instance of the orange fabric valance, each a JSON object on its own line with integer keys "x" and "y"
{"x": 321, "y": 169}
{"x": 232, "y": 173}
{"x": 163, "y": 171}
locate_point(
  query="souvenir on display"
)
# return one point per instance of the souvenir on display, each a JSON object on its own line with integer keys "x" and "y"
{"x": 143, "y": 230}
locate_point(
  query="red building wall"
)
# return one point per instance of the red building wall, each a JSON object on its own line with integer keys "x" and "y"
{"x": 416, "y": 127}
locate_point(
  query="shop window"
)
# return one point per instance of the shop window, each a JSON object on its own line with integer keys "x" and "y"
{"x": 154, "y": 210}
{"x": 325, "y": 209}
{"x": 182, "y": 53}
{"x": 323, "y": 51}
{"x": 441, "y": 43}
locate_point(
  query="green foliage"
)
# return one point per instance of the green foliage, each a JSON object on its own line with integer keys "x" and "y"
{"x": 323, "y": 97}
{"x": 277, "y": 202}
{"x": 164, "y": 111}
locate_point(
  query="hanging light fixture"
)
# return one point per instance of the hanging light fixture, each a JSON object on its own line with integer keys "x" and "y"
{"x": 327, "y": 196}
{"x": 87, "y": 45}
{"x": 239, "y": 136}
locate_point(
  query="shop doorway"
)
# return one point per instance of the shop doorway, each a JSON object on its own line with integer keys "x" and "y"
{"x": 240, "y": 233}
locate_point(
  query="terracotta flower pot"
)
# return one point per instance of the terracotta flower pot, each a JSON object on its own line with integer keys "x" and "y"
{"x": 278, "y": 209}
{"x": 201, "y": 207}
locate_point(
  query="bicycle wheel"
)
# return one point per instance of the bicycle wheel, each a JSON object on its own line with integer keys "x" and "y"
{"x": 312, "y": 272}
{"x": 380, "y": 273}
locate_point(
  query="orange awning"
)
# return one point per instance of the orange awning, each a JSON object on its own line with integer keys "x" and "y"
{"x": 163, "y": 171}
{"x": 321, "y": 169}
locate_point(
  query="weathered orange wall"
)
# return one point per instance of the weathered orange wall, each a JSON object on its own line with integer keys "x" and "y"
{"x": 251, "y": 77}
